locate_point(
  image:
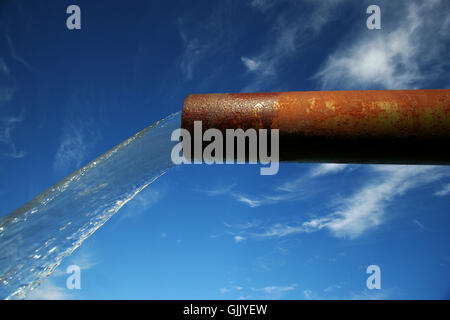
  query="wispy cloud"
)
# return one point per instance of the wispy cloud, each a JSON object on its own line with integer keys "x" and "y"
{"x": 239, "y": 239}
{"x": 251, "y": 64}
{"x": 308, "y": 294}
{"x": 6, "y": 93}
{"x": 277, "y": 289}
{"x": 14, "y": 55}
{"x": 410, "y": 55}
{"x": 279, "y": 230}
{"x": 233, "y": 289}
{"x": 292, "y": 190}
{"x": 194, "y": 53}
{"x": 289, "y": 30}
{"x": 364, "y": 210}
{"x": 145, "y": 200}
{"x": 79, "y": 135}
{"x": 219, "y": 190}
{"x": 327, "y": 168}
{"x": 273, "y": 291}
{"x": 324, "y": 12}
{"x": 73, "y": 148}
{"x": 419, "y": 224}
{"x": 332, "y": 288}
{"x": 85, "y": 260}
{"x": 444, "y": 191}
{"x": 47, "y": 290}
{"x": 7, "y": 125}
{"x": 7, "y": 83}
{"x": 250, "y": 202}
{"x": 224, "y": 290}
{"x": 267, "y": 292}
{"x": 264, "y": 64}
{"x": 269, "y": 199}
{"x": 262, "y": 5}
{"x": 320, "y": 170}
{"x": 369, "y": 295}
{"x": 203, "y": 39}
{"x": 362, "y": 295}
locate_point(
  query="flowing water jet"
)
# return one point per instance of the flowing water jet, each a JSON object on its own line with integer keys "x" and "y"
{"x": 36, "y": 237}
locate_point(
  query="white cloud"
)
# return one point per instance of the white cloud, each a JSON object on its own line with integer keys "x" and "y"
{"x": 363, "y": 210}
{"x": 6, "y": 93}
{"x": 239, "y": 239}
{"x": 268, "y": 198}
{"x": 267, "y": 292}
{"x": 307, "y": 294}
{"x": 252, "y": 65}
{"x": 362, "y": 295}
{"x": 279, "y": 230}
{"x": 369, "y": 295}
{"x": 419, "y": 224}
{"x": 79, "y": 135}
{"x": 203, "y": 39}
{"x": 327, "y": 168}
{"x": 408, "y": 55}
{"x": 277, "y": 289}
{"x": 366, "y": 208}
{"x": 262, "y": 5}
{"x": 265, "y": 63}
{"x": 220, "y": 190}
{"x": 4, "y": 68}
{"x": 224, "y": 290}
{"x": 293, "y": 185}
{"x": 444, "y": 191}
{"x": 289, "y": 30}
{"x": 300, "y": 187}
{"x": 7, "y": 125}
{"x": 48, "y": 291}
{"x": 72, "y": 150}
{"x": 331, "y": 288}
{"x": 144, "y": 201}
{"x": 231, "y": 289}
{"x": 292, "y": 190}
{"x": 245, "y": 226}
{"x": 7, "y": 83}
{"x": 194, "y": 51}
{"x": 14, "y": 55}
{"x": 274, "y": 292}
{"x": 84, "y": 259}
{"x": 323, "y": 13}
{"x": 250, "y": 202}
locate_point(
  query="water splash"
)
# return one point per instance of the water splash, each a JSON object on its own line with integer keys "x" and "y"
{"x": 36, "y": 237}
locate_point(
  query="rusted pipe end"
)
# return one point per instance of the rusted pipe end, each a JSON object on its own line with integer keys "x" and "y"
{"x": 379, "y": 126}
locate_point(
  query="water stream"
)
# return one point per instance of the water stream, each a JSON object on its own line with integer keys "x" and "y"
{"x": 36, "y": 237}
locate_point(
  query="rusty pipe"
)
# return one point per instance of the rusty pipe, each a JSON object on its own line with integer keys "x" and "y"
{"x": 377, "y": 126}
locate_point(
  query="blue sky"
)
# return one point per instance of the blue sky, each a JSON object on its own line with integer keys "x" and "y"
{"x": 224, "y": 231}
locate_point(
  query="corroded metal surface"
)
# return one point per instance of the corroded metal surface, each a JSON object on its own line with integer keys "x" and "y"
{"x": 381, "y": 126}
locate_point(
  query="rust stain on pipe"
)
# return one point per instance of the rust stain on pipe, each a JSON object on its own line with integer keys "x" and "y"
{"x": 378, "y": 126}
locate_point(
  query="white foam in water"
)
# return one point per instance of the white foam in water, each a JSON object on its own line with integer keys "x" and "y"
{"x": 36, "y": 237}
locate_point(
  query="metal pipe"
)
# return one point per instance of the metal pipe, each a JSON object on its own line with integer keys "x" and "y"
{"x": 379, "y": 126}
